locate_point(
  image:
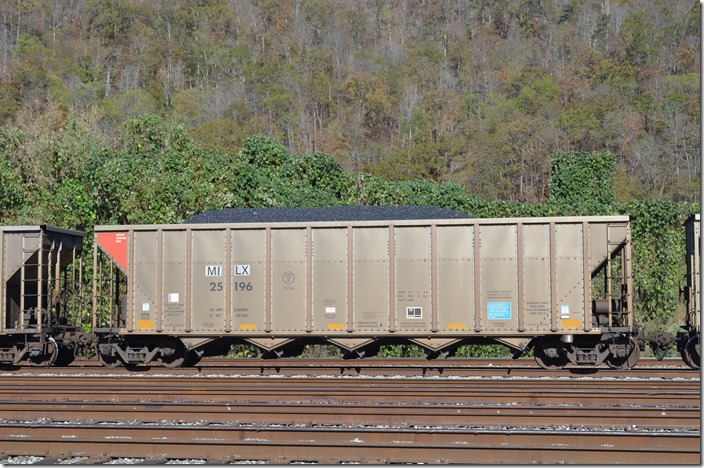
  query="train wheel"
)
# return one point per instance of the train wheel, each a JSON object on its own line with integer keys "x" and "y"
{"x": 548, "y": 356}
{"x": 66, "y": 356}
{"x": 109, "y": 361}
{"x": 686, "y": 357}
{"x": 45, "y": 359}
{"x": 176, "y": 359}
{"x": 627, "y": 362}
{"x": 192, "y": 359}
{"x": 690, "y": 353}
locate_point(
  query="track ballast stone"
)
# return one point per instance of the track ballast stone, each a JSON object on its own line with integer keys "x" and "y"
{"x": 335, "y": 213}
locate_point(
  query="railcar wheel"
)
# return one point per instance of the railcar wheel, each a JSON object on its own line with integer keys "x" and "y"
{"x": 192, "y": 359}
{"x": 67, "y": 355}
{"x": 690, "y": 353}
{"x": 548, "y": 357}
{"x": 176, "y": 359}
{"x": 626, "y": 362}
{"x": 686, "y": 356}
{"x": 44, "y": 359}
{"x": 109, "y": 361}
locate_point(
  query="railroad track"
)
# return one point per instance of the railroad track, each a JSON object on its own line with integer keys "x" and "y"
{"x": 513, "y": 390}
{"x": 162, "y": 414}
{"x": 353, "y": 444}
{"x": 681, "y": 419}
{"x": 469, "y": 367}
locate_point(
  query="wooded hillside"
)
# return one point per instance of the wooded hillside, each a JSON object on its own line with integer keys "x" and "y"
{"x": 479, "y": 92}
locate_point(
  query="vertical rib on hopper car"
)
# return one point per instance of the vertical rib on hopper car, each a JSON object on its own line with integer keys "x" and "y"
{"x": 559, "y": 285}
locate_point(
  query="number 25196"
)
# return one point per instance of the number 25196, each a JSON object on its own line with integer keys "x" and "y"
{"x": 241, "y": 286}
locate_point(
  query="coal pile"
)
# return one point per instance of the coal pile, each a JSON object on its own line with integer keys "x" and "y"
{"x": 335, "y": 213}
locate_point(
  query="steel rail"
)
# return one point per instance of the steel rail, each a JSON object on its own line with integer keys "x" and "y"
{"x": 361, "y": 444}
{"x": 166, "y": 385}
{"x": 402, "y": 415}
{"x": 594, "y": 392}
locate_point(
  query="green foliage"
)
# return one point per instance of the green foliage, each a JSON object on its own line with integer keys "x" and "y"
{"x": 401, "y": 350}
{"x": 682, "y": 94}
{"x": 578, "y": 123}
{"x": 268, "y": 175}
{"x": 33, "y": 63}
{"x": 10, "y": 98}
{"x": 638, "y": 35}
{"x": 658, "y": 256}
{"x": 11, "y": 140}
{"x": 483, "y": 351}
{"x": 68, "y": 204}
{"x": 583, "y": 183}
{"x": 243, "y": 351}
{"x": 157, "y": 176}
{"x": 150, "y": 136}
{"x": 224, "y": 135}
{"x": 12, "y": 196}
{"x": 321, "y": 352}
{"x": 265, "y": 153}
{"x": 539, "y": 95}
{"x": 112, "y": 20}
{"x": 322, "y": 172}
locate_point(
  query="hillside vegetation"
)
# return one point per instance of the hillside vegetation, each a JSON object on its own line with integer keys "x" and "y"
{"x": 478, "y": 92}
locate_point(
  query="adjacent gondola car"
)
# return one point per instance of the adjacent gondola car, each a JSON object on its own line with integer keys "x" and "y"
{"x": 559, "y": 285}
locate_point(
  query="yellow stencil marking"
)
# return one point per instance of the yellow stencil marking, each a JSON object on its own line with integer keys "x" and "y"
{"x": 144, "y": 324}
{"x": 571, "y": 323}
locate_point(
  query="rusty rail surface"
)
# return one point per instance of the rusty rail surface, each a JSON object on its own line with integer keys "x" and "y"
{"x": 514, "y": 390}
{"x": 353, "y": 444}
{"x": 416, "y": 414}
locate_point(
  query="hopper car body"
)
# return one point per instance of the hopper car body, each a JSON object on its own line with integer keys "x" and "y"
{"x": 560, "y": 285}
{"x": 40, "y": 282}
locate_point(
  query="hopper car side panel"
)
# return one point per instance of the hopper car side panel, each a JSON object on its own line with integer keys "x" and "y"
{"x": 432, "y": 281}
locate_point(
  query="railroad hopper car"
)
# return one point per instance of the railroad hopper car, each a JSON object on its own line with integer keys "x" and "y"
{"x": 688, "y": 341}
{"x": 40, "y": 266}
{"x": 172, "y": 293}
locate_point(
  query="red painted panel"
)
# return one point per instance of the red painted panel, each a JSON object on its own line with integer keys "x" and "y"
{"x": 115, "y": 244}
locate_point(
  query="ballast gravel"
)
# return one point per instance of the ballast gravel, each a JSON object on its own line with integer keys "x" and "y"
{"x": 334, "y": 213}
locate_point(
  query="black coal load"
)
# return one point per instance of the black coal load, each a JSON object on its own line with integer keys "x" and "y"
{"x": 335, "y": 213}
